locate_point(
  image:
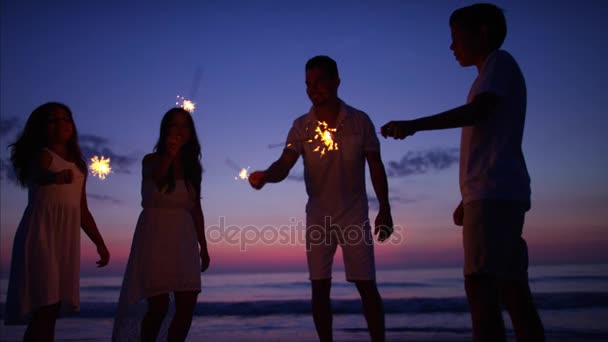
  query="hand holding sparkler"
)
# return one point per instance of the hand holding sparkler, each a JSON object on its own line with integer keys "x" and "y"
{"x": 398, "y": 129}
{"x": 277, "y": 172}
{"x": 257, "y": 180}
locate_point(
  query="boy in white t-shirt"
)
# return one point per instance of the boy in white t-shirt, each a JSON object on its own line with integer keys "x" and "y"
{"x": 494, "y": 180}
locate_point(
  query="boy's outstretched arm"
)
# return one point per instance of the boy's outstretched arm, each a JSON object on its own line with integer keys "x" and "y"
{"x": 384, "y": 220}
{"x": 477, "y": 111}
{"x": 276, "y": 172}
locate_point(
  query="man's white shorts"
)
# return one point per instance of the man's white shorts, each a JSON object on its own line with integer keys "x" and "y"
{"x": 357, "y": 246}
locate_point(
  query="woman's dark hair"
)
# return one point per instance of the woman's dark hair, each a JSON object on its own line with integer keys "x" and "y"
{"x": 190, "y": 153}
{"x": 34, "y": 138}
{"x": 475, "y": 16}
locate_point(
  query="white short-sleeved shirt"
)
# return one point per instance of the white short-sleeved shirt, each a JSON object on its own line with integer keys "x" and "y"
{"x": 492, "y": 164}
{"x": 335, "y": 181}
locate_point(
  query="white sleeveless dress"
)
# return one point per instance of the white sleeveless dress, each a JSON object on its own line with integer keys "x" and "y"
{"x": 164, "y": 256}
{"x": 45, "y": 264}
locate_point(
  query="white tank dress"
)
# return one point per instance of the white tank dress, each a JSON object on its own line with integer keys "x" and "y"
{"x": 164, "y": 256}
{"x": 45, "y": 263}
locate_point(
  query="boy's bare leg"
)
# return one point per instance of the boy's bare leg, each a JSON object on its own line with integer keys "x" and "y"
{"x": 484, "y": 304}
{"x": 517, "y": 299}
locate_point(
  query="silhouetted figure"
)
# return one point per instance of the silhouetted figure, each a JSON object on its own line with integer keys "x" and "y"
{"x": 494, "y": 180}
{"x": 45, "y": 267}
{"x": 165, "y": 255}
{"x": 337, "y": 208}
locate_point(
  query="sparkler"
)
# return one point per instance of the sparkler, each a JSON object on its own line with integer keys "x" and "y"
{"x": 275, "y": 145}
{"x": 186, "y": 104}
{"x": 243, "y": 173}
{"x": 100, "y": 167}
{"x": 326, "y": 136}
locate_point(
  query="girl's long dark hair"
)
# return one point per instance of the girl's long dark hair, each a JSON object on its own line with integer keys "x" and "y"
{"x": 190, "y": 153}
{"x": 33, "y": 139}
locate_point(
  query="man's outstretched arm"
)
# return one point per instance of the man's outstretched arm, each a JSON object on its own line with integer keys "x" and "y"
{"x": 278, "y": 171}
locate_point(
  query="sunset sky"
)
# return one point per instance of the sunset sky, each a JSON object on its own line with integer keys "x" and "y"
{"x": 120, "y": 66}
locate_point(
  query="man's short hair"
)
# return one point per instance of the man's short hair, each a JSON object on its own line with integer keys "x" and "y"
{"x": 328, "y": 65}
{"x": 475, "y": 16}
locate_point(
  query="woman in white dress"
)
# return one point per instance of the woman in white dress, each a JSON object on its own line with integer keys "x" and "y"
{"x": 45, "y": 265}
{"x": 165, "y": 256}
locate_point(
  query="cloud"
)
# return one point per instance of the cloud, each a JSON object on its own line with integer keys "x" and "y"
{"x": 92, "y": 139}
{"x": 412, "y": 163}
{"x": 8, "y": 125}
{"x": 104, "y": 198}
{"x": 95, "y": 145}
{"x": 421, "y": 162}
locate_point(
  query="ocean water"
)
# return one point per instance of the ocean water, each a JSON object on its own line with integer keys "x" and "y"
{"x": 420, "y": 305}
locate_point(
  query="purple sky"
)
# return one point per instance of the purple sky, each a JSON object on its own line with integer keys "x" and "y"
{"x": 119, "y": 66}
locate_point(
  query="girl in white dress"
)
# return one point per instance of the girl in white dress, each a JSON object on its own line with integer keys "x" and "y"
{"x": 165, "y": 255}
{"x": 45, "y": 265}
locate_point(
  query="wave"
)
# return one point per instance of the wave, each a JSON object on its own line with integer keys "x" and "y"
{"x": 551, "y": 333}
{"x": 587, "y": 278}
{"x": 544, "y": 301}
{"x": 291, "y": 285}
{"x": 337, "y": 285}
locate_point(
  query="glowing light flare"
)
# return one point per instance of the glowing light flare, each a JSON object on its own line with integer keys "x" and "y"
{"x": 243, "y": 174}
{"x": 186, "y": 104}
{"x": 325, "y": 136}
{"x": 100, "y": 167}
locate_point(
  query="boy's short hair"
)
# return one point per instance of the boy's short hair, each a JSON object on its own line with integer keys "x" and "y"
{"x": 475, "y": 16}
{"x": 324, "y": 62}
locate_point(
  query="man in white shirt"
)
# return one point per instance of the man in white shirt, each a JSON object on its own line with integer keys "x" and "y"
{"x": 335, "y": 140}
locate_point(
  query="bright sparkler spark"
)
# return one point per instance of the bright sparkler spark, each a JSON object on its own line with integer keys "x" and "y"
{"x": 100, "y": 167}
{"x": 187, "y": 105}
{"x": 243, "y": 174}
{"x": 326, "y": 136}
